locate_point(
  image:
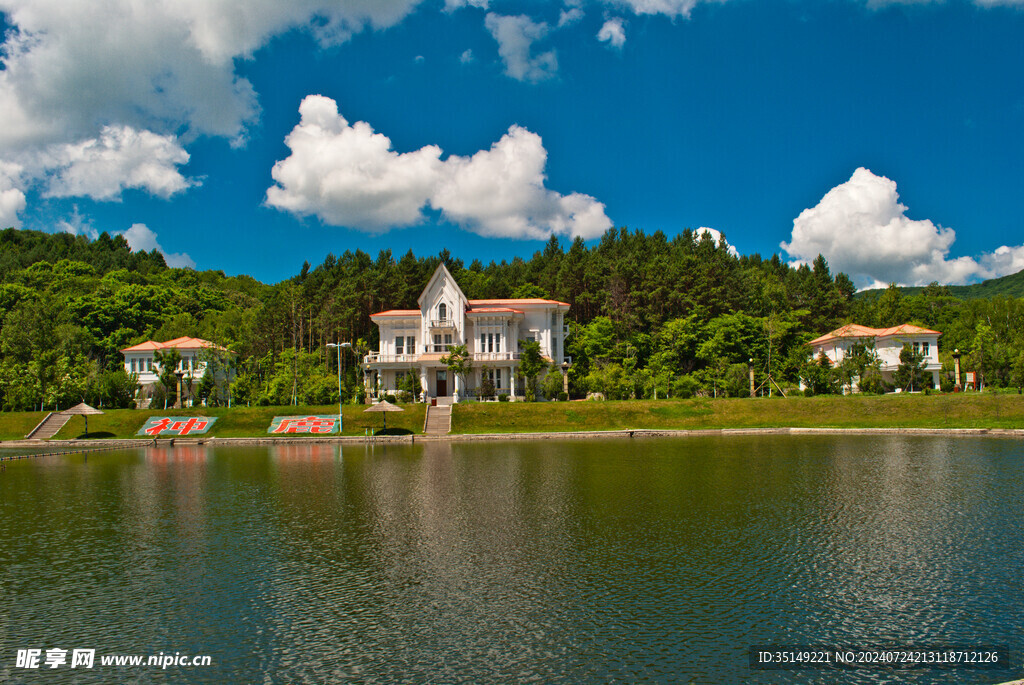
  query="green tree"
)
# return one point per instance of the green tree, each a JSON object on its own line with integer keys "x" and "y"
{"x": 817, "y": 376}
{"x": 531, "y": 363}
{"x": 458, "y": 362}
{"x": 167, "y": 361}
{"x": 552, "y": 383}
{"x": 910, "y": 374}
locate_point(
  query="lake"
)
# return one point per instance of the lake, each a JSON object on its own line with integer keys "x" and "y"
{"x": 555, "y": 561}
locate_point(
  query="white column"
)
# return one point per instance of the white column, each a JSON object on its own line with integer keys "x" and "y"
{"x": 424, "y": 388}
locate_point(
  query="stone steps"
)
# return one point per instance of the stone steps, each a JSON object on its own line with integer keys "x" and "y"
{"x": 438, "y": 420}
{"x": 49, "y": 426}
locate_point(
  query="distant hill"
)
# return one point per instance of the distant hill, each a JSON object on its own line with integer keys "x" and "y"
{"x": 1007, "y": 286}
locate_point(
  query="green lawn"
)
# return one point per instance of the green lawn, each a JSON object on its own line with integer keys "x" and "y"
{"x": 901, "y": 411}
{"x": 969, "y": 410}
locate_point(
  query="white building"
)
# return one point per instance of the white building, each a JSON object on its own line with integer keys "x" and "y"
{"x": 414, "y": 340}
{"x": 888, "y": 344}
{"x": 139, "y": 359}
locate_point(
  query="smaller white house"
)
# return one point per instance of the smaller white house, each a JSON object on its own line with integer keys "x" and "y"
{"x": 888, "y": 344}
{"x": 139, "y": 359}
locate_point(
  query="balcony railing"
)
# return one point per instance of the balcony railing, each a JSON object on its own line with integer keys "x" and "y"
{"x": 442, "y": 323}
{"x": 566, "y": 332}
{"x": 378, "y": 358}
{"x": 495, "y": 356}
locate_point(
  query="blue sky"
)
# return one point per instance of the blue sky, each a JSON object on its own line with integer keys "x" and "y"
{"x": 251, "y": 135}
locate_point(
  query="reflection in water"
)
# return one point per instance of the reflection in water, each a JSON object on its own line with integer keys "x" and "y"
{"x": 576, "y": 561}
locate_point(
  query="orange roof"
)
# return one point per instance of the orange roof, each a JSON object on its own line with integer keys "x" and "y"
{"x": 494, "y": 310}
{"x": 184, "y": 343}
{"x": 852, "y": 330}
{"x": 503, "y": 303}
{"x": 397, "y": 312}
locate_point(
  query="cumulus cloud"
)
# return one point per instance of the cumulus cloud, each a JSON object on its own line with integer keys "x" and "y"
{"x": 70, "y": 65}
{"x": 500, "y": 192}
{"x": 348, "y": 175}
{"x": 613, "y": 32}
{"x": 671, "y": 8}
{"x": 12, "y": 198}
{"x": 516, "y": 36}
{"x": 862, "y": 229}
{"x": 142, "y": 239}
{"x": 120, "y": 158}
{"x": 569, "y": 16}
{"x": 715, "y": 236}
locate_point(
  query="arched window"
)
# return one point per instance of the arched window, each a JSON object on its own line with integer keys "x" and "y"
{"x": 442, "y": 311}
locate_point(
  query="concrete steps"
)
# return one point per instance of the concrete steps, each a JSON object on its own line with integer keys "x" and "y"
{"x": 438, "y": 421}
{"x": 49, "y": 426}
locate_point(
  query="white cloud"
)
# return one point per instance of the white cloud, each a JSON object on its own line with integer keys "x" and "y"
{"x": 78, "y": 225}
{"x": 613, "y": 32}
{"x": 142, "y": 239}
{"x": 671, "y": 8}
{"x": 516, "y": 36}
{"x": 12, "y": 198}
{"x": 500, "y": 193}
{"x": 450, "y": 5}
{"x": 93, "y": 95}
{"x": 466, "y": 57}
{"x": 120, "y": 158}
{"x": 569, "y": 16}
{"x": 716, "y": 236}
{"x": 347, "y": 175}
{"x": 862, "y": 229}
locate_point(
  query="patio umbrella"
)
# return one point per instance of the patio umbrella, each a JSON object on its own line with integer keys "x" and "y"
{"x": 383, "y": 406}
{"x": 83, "y": 410}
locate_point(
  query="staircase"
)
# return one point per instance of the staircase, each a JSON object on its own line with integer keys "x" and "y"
{"x": 49, "y": 426}
{"x": 439, "y": 420}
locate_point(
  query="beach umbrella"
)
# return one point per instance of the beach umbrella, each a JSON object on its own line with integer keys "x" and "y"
{"x": 83, "y": 410}
{"x": 383, "y": 406}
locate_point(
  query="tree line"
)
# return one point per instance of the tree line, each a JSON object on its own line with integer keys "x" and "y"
{"x": 650, "y": 315}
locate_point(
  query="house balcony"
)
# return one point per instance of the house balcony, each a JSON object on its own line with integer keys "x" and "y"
{"x": 378, "y": 358}
{"x": 566, "y": 332}
{"x": 442, "y": 323}
{"x": 495, "y": 356}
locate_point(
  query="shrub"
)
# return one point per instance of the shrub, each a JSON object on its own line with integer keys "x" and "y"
{"x": 487, "y": 388}
{"x": 404, "y": 396}
{"x": 563, "y": 396}
{"x": 503, "y": 397}
{"x": 685, "y": 387}
{"x": 391, "y": 398}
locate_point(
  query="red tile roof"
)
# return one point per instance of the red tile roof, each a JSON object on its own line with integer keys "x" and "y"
{"x": 397, "y": 312}
{"x": 852, "y": 330}
{"x": 184, "y": 343}
{"x": 504, "y": 303}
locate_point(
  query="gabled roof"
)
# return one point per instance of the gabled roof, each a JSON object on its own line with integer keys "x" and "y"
{"x": 856, "y": 331}
{"x": 184, "y": 343}
{"x": 440, "y": 272}
{"x": 408, "y": 313}
{"x": 511, "y": 303}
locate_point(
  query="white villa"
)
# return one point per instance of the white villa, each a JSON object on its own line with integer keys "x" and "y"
{"x": 139, "y": 359}
{"x": 888, "y": 344}
{"x": 414, "y": 340}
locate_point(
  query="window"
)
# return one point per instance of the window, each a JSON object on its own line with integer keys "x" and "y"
{"x": 554, "y": 319}
{"x": 917, "y": 348}
{"x": 442, "y": 311}
{"x": 399, "y": 345}
{"x": 410, "y": 344}
{"x": 924, "y": 349}
{"x": 495, "y": 377}
{"x": 483, "y": 342}
{"x": 448, "y": 339}
{"x": 437, "y": 342}
{"x": 490, "y": 342}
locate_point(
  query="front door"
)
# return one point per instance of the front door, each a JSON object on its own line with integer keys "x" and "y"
{"x": 442, "y": 383}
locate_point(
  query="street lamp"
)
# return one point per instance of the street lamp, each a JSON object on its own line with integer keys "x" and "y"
{"x": 338, "y": 346}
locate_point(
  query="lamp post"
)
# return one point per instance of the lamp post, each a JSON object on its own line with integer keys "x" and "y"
{"x": 177, "y": 404}
{"x": 956, "y": 370}
{"x": 338, "y": 347}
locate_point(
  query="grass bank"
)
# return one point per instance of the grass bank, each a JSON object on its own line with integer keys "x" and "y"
{"x": 971, "y": 410}
{"x": 237, "y": 422}
{"x": 974, "y": 410}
